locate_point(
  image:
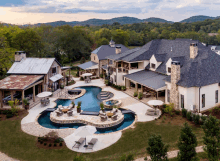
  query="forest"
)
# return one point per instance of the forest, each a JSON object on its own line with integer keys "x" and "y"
{"x": 68, "y": 44}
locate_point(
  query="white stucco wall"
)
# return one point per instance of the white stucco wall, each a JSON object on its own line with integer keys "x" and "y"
{"x": 154, "y": 61}
{"x": 191, "y": 96}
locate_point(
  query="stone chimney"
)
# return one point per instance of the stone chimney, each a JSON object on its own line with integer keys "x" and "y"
{"x": 117, "y": 49}
{"x": 20, "y": 55}
{"x": 175, "y": 77}
{"x": 193, "y": 50}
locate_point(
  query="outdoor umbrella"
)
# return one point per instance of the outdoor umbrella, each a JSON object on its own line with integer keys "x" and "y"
{"x": 44, "y": 94}
{"x": 84, "y": 131}
{"x": 86, "y": 74}
{"x": 155, "y": 103}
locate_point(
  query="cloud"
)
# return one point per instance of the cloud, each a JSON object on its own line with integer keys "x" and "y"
{"x": 12, "y": 2}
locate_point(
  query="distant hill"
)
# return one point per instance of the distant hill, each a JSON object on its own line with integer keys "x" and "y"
{"x": 99, "y": 22}
{"x": 154, "y": 19}
{"x": 198, "y": 18}
{"x": 124, "y": 20}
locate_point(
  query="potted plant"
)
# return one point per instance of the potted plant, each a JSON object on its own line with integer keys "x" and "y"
{"x": 79, "y": 107}
{"x": 62, "y": 87}
{"x": 102, "y": 106}
{"x": 140, "y": 96}
{"x": 26, "y": 103}
{"x": 115, "y": 108}
{"x": 106, "y": 82}
{"x": 135, "y": 94}
{"x": 73, "y": 104}
{"x": 123, "y": 88}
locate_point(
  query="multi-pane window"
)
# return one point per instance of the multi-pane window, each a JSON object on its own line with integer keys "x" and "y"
{"x": 169, "y": 70}
{"x": 203, "y": 100}
{"x": 182, "y": 101}
{"x": 153, "y": 65}
{"x": 216, "y": 96}
{"x": 168, "y": 95}
{"x": 54, "y": 70}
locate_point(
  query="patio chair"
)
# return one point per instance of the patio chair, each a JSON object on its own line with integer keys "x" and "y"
{"x": 59, "y": 113}
{"x": 101, "y": 113}
{"x": 69, "y": 113}
{"x": 78, "y": 143}
{"x": 70, "y": 106}
{"x": 103, "y": 118}
{"x": 92, "y": 143}
{"x": 114, "y": 117}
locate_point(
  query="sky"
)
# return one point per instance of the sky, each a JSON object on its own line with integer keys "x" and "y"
{"x": 40, "y": 11}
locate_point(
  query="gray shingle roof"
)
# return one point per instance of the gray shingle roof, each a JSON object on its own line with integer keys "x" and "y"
{"x": 148, "y": 78}
{"x": 106, "y": 50}
{"x": 87, "y": 65}
{"x": 200, "y": 71}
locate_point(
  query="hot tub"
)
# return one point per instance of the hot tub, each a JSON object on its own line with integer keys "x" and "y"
{"x": 110, "y": 103}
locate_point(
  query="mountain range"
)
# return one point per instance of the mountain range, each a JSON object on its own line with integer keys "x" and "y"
{"x": 124, "y": 20}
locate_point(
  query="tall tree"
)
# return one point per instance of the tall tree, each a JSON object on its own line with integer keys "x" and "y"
{"x": 157, "y": 149}
{"x": 211, "y": 139}
{"x": 187, "y": 144}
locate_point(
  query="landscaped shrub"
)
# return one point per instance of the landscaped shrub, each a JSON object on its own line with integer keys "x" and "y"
{"x": 129, "y": 157}
{"x": 61, "y": 144}
{"x": 45, "y": 144}
{"x": 184, "y": 112}
{"x": 9, "y": 115}
{"x": 81, "y": 78}
{"x": 169, "y": 109}
{"x": 79, "y": 158}
{"x": 189, "y": 116}
{"x": 82, "y": 60}
{"x": 50, "y": 145}
{"x": 197, "y": 118}
{"x": 193, "y": 117}
{"x": 71, "y": 83}
{"x": 177, "y": 112}
{"x": 135, "y": 94}
{"x": 55, "y": 144}
{"x": 140, "y": 96}
{"x": 5, "y": 112}
{"x": 41, "y": 142}
{"x": 106, "y": 82}
{"x": 123, "y": 88}
{"x": 58, "y": 140}
{"x": 77, "y": 74}
{"x": 101, "y": 75}
{"x": 203, "y": 118}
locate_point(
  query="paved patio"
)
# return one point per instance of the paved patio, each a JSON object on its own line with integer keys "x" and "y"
{"x": 30, "y": 125}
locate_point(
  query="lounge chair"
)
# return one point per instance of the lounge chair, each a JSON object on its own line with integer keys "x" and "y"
{"x": 92, "y": 143}
{"x": 70, "y": 106}
{"x": 101, "y": 113}
{"x": 78, "y": 143}
{"x": 114, "y": 117}
{"x": 114, "y": 111}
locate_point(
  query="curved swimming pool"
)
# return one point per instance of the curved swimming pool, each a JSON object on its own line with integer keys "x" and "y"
{"x": 89, "y": 103}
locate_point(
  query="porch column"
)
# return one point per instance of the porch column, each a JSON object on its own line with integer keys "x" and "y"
{"x": 64, "y": 75}
{"x": 33, "y": 93}
{"x": 12, "y": 97}
{"x": 22, "y": 98}
{"x": 136, "y": 87}
{"x": 157, "y": 95}
{"x": 1, "y": 98}
{"x": 142, "y": 89}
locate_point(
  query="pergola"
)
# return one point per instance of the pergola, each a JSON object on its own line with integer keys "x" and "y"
{"x": 20, "y": 83}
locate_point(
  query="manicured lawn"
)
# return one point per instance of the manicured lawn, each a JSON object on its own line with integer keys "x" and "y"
{"x": 202, "y": 157}
{"x": 22, "y": 146}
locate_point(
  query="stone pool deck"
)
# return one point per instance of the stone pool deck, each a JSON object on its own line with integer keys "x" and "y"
{"x": 30, "y": 125}
{"x": 85, "y": 119}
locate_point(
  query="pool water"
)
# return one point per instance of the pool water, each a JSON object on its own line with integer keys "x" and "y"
{"x": 89, "y": 103}
{"x": 111, "y": 102}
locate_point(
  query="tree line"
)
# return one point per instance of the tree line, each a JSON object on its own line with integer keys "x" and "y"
{"x": 68, "y": 44}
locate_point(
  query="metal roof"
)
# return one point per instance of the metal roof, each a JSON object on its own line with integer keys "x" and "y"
{"x": 148, "y": 78}
{"x": 56, "y": 77}
{"x": 19, "y": 82}
{"x": 88, "y": 65}
{"x": 32, "y": 66}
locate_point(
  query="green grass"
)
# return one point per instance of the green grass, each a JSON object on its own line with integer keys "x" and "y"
{"x": 20, "y": 145}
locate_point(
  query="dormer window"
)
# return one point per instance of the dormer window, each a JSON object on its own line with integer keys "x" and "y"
{"x": 153, "y": 65}
{"x": 169, "y": 70}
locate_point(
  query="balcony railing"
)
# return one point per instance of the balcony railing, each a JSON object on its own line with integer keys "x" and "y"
{"x": 124, "y": 70}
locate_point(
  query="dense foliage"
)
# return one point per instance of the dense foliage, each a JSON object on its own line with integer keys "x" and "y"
{"x": 68, "y": 44}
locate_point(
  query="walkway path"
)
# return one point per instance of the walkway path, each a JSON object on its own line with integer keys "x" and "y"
{"x": 173, "y": 154}
{"x": 4, "y": 157}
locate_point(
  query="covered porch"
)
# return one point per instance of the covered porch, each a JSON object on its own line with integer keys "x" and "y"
{"x": 19, "y": 87}
{"x": 66, "y": 73}
{"x": 150, "y": 83}
{"x": 89, "y": 67}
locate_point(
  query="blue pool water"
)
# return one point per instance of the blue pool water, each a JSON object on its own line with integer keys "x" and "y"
{"x": 111, "y": 102}
{"x": 89, "y": 103}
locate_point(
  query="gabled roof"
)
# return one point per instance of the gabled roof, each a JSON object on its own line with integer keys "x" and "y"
{"x": 106, "y": 50}
{"x": 32, "y": 66}
{"x": 88, "y": 65}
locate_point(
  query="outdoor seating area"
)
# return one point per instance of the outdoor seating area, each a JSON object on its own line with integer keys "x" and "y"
{"x": 104, "y": 115}
{"x": 64, "y": 109}
{"x": 45, "y": 101}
